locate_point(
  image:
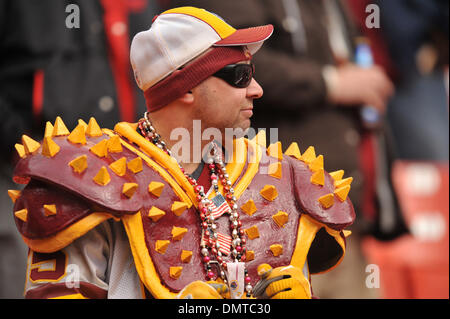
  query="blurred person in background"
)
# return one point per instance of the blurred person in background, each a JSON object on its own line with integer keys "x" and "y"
{"x": 316, "y": 95}
{"x": 411, "y": 43}
{"x": 60, "y": 58}
{"x": 416, "y": 34}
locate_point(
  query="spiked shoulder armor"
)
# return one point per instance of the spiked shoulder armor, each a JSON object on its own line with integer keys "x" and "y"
{"x": 76, "y": 180}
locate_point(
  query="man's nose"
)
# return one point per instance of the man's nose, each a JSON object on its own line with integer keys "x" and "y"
{"x": 254, "y": 90}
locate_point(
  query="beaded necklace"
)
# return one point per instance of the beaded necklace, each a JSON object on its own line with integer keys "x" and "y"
{"x": 210, "y": 245}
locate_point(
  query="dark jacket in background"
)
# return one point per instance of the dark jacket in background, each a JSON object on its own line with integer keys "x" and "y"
{"x": 49, "y": 70}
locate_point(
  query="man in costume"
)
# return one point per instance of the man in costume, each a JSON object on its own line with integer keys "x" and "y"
{"x": 117, "y": 214}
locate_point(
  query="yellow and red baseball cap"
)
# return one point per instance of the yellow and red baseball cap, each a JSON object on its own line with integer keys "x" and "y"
{"x": 179, "y": 35}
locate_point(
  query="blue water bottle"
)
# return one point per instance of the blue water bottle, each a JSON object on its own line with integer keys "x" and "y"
{"x": 370, "y": 116}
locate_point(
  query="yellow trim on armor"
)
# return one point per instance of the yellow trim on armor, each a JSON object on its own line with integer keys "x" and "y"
{"x": 252, "y": 168}
{"x": 127, "y": 130}
{"x": 307, "y": 230}
{"x": 222, "y": 28}
{"x": 237, "y": 164}
{"x": 144, "y": 264}
{"x": 67, "y": 235}
{"x": 306, "y": 233}
{"x": 72, "y": 296}
{"x": 176, "y": 188}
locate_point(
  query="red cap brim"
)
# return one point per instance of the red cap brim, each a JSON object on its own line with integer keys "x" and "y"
{"x": 247, "y": 36}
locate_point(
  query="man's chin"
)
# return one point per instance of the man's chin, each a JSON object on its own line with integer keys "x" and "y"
{"x": 244, "y": 127}
{"x": 240, "y": 130}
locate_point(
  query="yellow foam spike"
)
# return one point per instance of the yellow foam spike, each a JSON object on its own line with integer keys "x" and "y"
{"x": 309, "y": 155}
{"x": 128, "y": 189}
{"x": 327, "y": 200}
{"x": 343, "y": 182}
{"x": 275, "y": 150}
{"x": 79, "y": 164}
{"x": 252, "y": 232}
{"x": 161, "y": 246}
{"x": 29, "y": 144}
{"x": 249, "y": 207}
{"x": 175, "y": 272}
{"x": 102, "y": 178}
{"x": 316, "y": 164}
{"x": 178, "y": 207}
{"x": 48, "y": 132}
{"x": 77, "y": 136}
{"x": 20, "y": 150}
{"x": 275, "y": 170}
{"x": 260, "y": 138}
{"x": 337, "y": 175}
{"x": 60, "y": 129}
{"x": 269, "y": 192}
{"x": 100, "y": 149}
{"x": 135, "y": 165}
{"x": 347, "y": 233}
{"x": 342, "y": 192}
{"x": 318, "y": 178}
{"x": 50, "y": 210}
{"x": 22, "y": 214}
{"x": 280, "y": 218}
{"x": 293, "y": 150}
{"x": 186, "y": 256}
{"x": 49, "y": 147}
{"x": 276, "y": 249}
{"x": 264, "y": 270}
{"x": 119, "y": 167}
{"x": 155, "y": 188}
{"x": 178, "y": 232}
{"x": 114, "y": 145}
{"x": 14, "y": 194}
{"x": 83, "y": 123}
{"x": 249, "y": 255}
{"x": 155, "y": 213}
{"x": 93, "y": 129}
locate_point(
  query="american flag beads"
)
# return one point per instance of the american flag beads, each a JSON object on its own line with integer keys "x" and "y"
{"x": 219, "y": 206}
{"x": 213, "y": 244}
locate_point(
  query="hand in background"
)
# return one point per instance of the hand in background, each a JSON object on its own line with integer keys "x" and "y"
{"x": 351, "y": 85}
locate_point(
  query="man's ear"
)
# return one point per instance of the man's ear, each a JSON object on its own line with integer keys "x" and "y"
{"x": 187, "y": 98}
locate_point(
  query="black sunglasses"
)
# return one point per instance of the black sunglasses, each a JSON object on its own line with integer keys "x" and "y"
{"x": 237, "y": 75}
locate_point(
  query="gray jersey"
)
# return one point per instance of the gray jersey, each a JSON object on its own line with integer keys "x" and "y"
{"x": 97, "y": 265}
